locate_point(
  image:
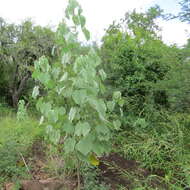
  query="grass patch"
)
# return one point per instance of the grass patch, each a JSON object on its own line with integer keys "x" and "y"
{"x": 162, "y": 147}
{"x": 15, "y": 139}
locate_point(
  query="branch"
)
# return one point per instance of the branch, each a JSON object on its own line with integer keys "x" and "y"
{"x": 23, "y": 83}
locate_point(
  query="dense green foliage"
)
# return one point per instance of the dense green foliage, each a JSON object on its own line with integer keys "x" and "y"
{"x": 74, "y": 107}
{"x": 20, "y": 46}
{"x": 80, "y": 90}
{"x": 136, "y": 58}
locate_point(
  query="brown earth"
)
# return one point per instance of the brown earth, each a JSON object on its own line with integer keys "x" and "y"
{"x": 114, "y": 170}
{"x": 41, "y": 179}
{"x": 117, "y": 171}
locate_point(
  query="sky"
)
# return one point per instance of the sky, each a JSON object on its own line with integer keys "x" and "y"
{"x": 99, "y": 14}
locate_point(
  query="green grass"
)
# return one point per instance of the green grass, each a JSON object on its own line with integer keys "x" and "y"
{"x": 162, "y": 145}
{"x": 15, "y": 140}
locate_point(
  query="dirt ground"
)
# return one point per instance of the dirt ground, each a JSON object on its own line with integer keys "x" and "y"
{"x": 115, "y": 171}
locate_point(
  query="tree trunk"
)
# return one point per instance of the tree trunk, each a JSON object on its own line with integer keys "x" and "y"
{"x": 15, "y": 99}
{"x": 17, "y": 90}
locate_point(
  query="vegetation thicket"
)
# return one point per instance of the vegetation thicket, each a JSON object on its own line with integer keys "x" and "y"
{"x": 124, "y": 101}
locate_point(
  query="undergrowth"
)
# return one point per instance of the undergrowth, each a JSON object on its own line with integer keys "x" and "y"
{"x": 162, "y": 147}
{"x": 15, "y": 141}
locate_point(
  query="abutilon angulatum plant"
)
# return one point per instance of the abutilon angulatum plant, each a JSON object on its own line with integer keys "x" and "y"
{"x": 73, "y": 107}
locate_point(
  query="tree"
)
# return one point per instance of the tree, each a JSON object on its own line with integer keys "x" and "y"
{"x": 135, "y": 58}
{"x": 74, "y": 107}
{"x": 20, "y": 46}
{"x": 184, "y": 14}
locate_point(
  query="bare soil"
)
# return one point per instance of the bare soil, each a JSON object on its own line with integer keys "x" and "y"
{"x": 115, "y": 171}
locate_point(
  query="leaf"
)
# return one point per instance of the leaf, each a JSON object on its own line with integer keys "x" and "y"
{"x": 49, "y": 129}
{"x": 93, "y": 160}
{"x": 61, "y": 110}
{"x": 102, "y": 74}
{"x": 35, "y": 92}
{"x": 121, "y": 102}
{"x": 76, "y": 19}
{"x": 20, "y": 163}
{"x": 79, "y": 64}
{"x": 82, "y": 20}
{"x": 53, "y": 116}
{"x": 59, "y": 90}
{"x": 43, "y": 64}
{"x": 41, "y": 120}
{"x": 55, "y": 136}
{"x": 53, "y": 51}
{"x": 64, "y": 77}
{"x": 72, "y": 113}
{"x": 73, "y": 4}
{"x": 69, "y": 145}
{"x": 116, "y": 95}
{"x": 85, "y": 145}
{"x": 45, "y": 108}
{"x": 117, "y": 124}
{"x": 66, "y": 58}
{"x": 141, "y": 122}
{"x": 102, "y": 129}
{"x": 86, "y": 33}
{"x": 55, "y": 72}
{"x": 99, "y": 148}
{"x": 79, "y": 96}
{"x": 68, "y": 128}
{"x": 82, "y": 129}
{"x": 94, "y": 59}
{"x": 44, "y": 78}
{"x": 111, "y": 105}
{"x": 99, "y": 106}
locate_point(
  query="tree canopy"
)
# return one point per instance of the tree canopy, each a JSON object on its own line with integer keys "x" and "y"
{"x": 20, "y": 46}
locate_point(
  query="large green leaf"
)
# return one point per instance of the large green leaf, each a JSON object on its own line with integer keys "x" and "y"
{"x": 54, "y": 134}
{"x": 76, "y": 19}
{"x": 45, "y": 108}
{"x": 82, "y": 20}
{"x": 69, "y": 145}
{"x": 72, "y": 113}
{"x": 52, "y": 116}
{"x": 111, "y": 105}
{"x": 102, "y": 129}
{"x": 99, "y": 106}
{"x": 85, "y": 145}
{"x": 79, "y": 96}
{"x": 99, "y": 148}
{"x": 116, "y": 95}
{"x": 82, "y": 128}
{"x": 68, "y": 128}
{"x": 86, "y": 33}
{"x": 44, "y": 78}
{"x": 42, "y": 64}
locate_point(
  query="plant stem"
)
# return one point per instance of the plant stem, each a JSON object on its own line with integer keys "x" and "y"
{"x": 78, "y": 174}
{"x": 26, "y": 164}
